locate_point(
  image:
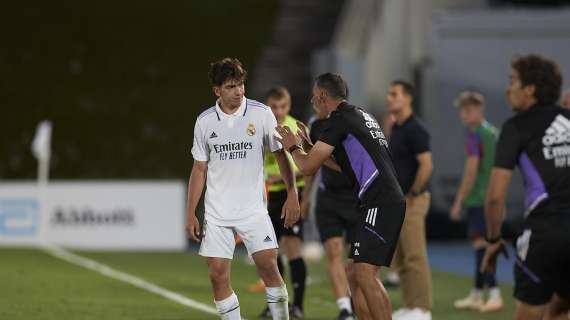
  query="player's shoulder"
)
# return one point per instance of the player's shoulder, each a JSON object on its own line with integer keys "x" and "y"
{"x": 207, "y": 114}
{"x": 256, "y": 106}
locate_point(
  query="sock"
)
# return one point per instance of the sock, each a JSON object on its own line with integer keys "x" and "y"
{"x": 229, "y": 308}
{"x": 491, "y": 280}
{"x": 477, "y": 294}
{"x": 277, "y": 301}
{"x": 298, "y": 278}
{"x": 494, "y": 293}
{"x": 280, "y": 266}
{"x": 344, "y": 304}
{"x": 479, "y": 276}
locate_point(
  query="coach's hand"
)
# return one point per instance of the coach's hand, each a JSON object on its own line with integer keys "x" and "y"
{"x": 290, "y": 212}
{"x": 288, "y": 138}
{"x": 304, "y": 135}
{"x": 193, "y": 228}
{"x": 492, "y": 251}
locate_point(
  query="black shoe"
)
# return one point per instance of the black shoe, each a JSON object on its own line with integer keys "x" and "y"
{"x": 265, "y": 314}
{"x": 345, "y": 315}
{"x": 295, "y": 313}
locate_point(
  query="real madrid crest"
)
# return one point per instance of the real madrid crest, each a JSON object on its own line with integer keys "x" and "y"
{"x": 250, "y": 129}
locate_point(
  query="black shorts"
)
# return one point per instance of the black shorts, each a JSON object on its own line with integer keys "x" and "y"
{"x": 542, "y": 265}
{"x": 336, "y": 216}
{"x": 274, "y": 206}
{"x": 377, "y": 232}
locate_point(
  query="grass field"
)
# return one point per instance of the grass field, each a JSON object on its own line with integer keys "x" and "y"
{"x": 36, "y": 285}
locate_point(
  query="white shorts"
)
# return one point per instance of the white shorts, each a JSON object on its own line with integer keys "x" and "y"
{"x": 257, "y": 234}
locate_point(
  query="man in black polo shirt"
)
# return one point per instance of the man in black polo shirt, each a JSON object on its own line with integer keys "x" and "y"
{"x": 537, "y": 140}
{"x": 409, "y": 143}
{"x": 361, "y": 150}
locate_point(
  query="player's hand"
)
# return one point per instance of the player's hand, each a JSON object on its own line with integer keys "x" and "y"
{"x": 455, "y": 212}
{"x": 288, "y": 138}
{"x": 193, "y": 228}
{"x": 303, "y": 133}
{"x": 493, "y": 251}
{"x": 305, "y": 207}
{"x": 290, "y": 212}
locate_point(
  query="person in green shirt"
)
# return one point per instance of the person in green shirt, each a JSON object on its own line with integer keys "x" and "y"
{"x": 290, "y": 239}
{"x": 480, "y": 152}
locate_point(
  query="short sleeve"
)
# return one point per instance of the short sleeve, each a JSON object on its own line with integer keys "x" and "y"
{"x": 419, "y": 142}
{"x": 200, "y": 150}
{"x": 269, "y": 132}
{"x": 334, "y": 131}
{"x": 508, "y": 147}
{"x": 473, "y": 145}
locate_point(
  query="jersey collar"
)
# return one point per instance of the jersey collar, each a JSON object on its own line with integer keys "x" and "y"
{"x": 240, "y": 111}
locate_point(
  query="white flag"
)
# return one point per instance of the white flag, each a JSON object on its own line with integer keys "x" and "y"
{"x": 41, "y": 146}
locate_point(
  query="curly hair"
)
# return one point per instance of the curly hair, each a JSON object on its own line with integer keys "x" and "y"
{"x": 226, "y": 69}
{"x": 541, "y": 72}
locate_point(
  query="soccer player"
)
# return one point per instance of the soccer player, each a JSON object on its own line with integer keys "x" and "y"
{"x": 409, "y": 142}
{"x": 537, "y": 139}
{"x": 336, "y": 212}
{"x": 229, "y": 141}
{"x": 290, "y": 239}
{"x": 355, "y": 139}
{"x": 480, "y": 151}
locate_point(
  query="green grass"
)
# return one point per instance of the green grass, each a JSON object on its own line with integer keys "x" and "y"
{"x": 34, "y": 285}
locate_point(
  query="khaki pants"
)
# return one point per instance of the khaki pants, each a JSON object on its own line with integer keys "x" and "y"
{"x": 410, "y": 259}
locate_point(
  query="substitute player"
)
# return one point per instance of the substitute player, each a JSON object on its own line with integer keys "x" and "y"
{"x": 537, "y": 139}
{"x": 361, "y": 150}
{"x": 229, "y": 141}
{"x": 289, "y": 239}
{"x": 480, "y": 152}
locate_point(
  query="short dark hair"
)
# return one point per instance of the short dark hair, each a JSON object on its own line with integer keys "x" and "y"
{"x": 541, "y": 72}
{"x": 226, "y": 69}
{"x": 333, "y": 84}
{"x": 277, "y": 93}
{"x": 407, "y": 87}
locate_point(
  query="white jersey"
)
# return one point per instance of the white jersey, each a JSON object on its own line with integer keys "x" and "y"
{"x": 233, "y": 145}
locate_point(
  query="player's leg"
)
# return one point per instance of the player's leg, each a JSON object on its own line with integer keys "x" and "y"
{"x": 558, "y": 309}
{"x": 333, "y": 218}
{"x": 260, "y": 240}
{"x": 525, "y": 311}
{"x": 358, "y": 298}
{"x": 291, "y": 243}
{"x": 218, "y": 246}
{"x": 377, "y": 299}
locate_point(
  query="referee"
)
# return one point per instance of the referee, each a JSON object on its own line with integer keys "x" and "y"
{"x": 359, "y": 147}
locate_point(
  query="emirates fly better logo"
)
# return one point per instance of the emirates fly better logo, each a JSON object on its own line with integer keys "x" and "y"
{"x": 556, "y": 142}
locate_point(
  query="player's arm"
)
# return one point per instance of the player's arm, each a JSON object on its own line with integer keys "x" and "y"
{"x": 425, "y": 168}
{"x": 467, "y": 182}
{"x": 291, "y": 208}
{"x": 494, "y": 216}
{"x": 195, "y": 189}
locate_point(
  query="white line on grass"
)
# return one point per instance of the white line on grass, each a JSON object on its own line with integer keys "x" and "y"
{"x": 125, "y": 277}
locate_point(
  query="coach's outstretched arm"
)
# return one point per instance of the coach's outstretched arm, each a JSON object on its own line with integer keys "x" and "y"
{"x": 291, "y": 210}
{"x": 309, "y": 163}
{"x": 195, "y": 188}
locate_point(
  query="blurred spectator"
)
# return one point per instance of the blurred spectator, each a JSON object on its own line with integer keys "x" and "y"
{"x": 566, "y": 99}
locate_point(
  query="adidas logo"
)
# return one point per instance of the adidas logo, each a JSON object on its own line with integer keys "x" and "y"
{"x": 213, "y": 135}
{"x": 371, "y": 216}
{"x": 267, "y": 239}
{"x": 356, "y": 253}
{"x": 556, "y": 142}
{"x": 558, "y": 132}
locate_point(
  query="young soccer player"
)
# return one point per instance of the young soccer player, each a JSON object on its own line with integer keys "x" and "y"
{"x": 229, "y": 141}
{"x": 480, "y": 151}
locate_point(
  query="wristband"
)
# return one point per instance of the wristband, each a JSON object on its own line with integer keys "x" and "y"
{"x": 293, "y": 148}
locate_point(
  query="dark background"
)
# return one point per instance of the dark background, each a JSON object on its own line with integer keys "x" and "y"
{"x": 122, "y": 81}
